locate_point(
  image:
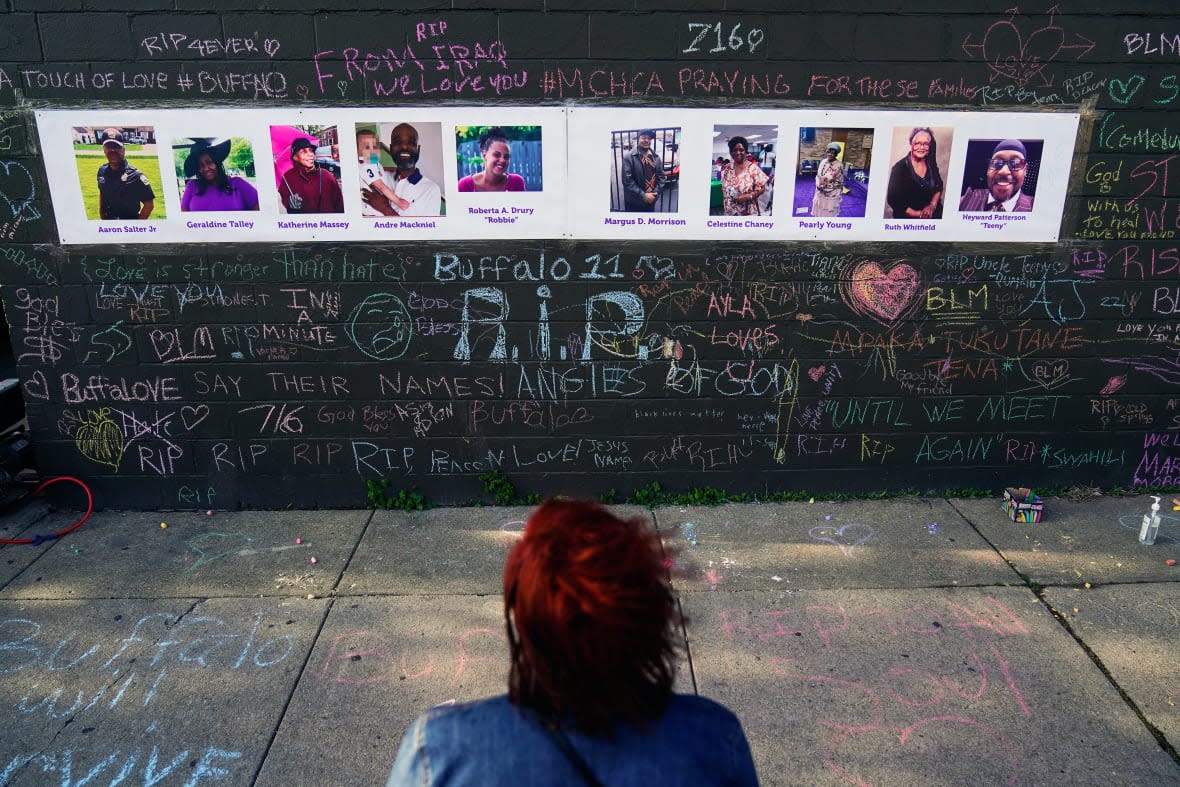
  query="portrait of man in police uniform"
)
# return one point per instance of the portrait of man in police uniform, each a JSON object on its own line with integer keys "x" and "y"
{"x": 124, "y": 192}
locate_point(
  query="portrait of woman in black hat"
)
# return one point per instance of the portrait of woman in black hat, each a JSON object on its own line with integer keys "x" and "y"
{"x": 208, "y": 186}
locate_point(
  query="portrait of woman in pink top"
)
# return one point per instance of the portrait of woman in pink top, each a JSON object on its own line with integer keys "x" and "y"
{"x": 497, "y": 155}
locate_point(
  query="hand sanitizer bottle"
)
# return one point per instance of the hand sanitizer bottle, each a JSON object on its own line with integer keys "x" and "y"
{"x": 1151, "y": 523}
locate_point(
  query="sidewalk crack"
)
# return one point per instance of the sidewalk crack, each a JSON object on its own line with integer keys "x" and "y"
{"x": 184, "y": 614}
{"x": 1038, "y": 590}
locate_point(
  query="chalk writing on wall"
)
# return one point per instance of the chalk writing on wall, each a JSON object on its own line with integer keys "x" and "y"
{"x": 1021, "y": 55}
{"x": 17, "y": 195}
{"x": 202, "y": 366}
{"x": 515, "y": 361}
{"x": 737, "y": 39}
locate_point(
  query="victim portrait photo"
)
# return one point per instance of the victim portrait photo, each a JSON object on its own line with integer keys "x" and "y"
{"x": 401, "y": 168}
{"x": 307, "y": 169}
{"x": 119, "y": 172}
{"x": 1000, "y": 175}
{"x": 215, "y": 173}
{"x": 920, "y": 157}
{"x": 498, "y": 158}
{"x": 645, "y": 170}
{"x": 832, "y": 171}
{"x": 742, "y": 170}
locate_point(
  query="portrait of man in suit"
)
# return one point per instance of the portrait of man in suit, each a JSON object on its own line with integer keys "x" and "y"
{"x": 1005, "y": 176}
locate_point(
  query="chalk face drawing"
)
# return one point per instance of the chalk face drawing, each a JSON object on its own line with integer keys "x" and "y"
{"x": 846, "y": 537}
{"x": 886, "y": 295}
{"x": 381, "y": 327}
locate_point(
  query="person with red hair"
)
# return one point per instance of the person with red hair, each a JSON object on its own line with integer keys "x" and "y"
{"x": 593, "y": 633}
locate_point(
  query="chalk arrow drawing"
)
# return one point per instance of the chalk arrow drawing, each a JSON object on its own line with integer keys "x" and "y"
{"x": 1020, "y": 57}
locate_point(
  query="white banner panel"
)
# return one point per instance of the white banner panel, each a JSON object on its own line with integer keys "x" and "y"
{"x": 819, "y": 175}
{"x": 305, "y": 175}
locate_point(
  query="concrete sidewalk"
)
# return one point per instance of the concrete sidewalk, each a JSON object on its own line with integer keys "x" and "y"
{"x": 899, "y": 642}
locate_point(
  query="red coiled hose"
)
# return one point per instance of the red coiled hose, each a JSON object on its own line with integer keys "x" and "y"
{"x": 42, "y": 538}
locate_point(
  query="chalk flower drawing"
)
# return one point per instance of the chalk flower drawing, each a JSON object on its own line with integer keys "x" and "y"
{"x": 1012, "y": 55}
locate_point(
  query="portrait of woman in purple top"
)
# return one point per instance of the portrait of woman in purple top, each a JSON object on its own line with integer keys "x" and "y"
{"x": 209, "y": 187}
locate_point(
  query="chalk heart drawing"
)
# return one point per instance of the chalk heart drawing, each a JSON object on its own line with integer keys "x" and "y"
{"x": 1049, "y": 374}
{"x": 847, "y": 537}
{"x": 1122, "y": 92}
{"x": 16, "y": 187}
{"x": 816, "y": 372}
{"x": 884, "y": 295}
{"x": 37, "y": 387}
{"x": 100, "y": 439}
{"x": 1011, "y": 55}
{"x": 191, "y": 417}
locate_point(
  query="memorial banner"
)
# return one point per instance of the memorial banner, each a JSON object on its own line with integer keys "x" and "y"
{"x": 124, "y": 176}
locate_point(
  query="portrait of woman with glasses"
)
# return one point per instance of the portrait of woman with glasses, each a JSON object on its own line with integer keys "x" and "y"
{"x": 915, "y": 182}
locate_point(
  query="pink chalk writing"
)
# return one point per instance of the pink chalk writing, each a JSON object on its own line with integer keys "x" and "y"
{"x": 420, "y": 69}
{"x": 1023, "y": 55}
{"x": 922, "y": 696}
{"x": 367, "y": 658}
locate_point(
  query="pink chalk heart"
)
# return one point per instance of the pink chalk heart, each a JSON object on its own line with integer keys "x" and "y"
{"x": 1011, "y": 56}
{"x": 816, "y": 372}
{"x": 884, "y": 295}
{"x": 847, "y": 537}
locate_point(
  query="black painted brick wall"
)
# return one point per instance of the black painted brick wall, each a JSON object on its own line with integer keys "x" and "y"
{"x": 758, "y": 368}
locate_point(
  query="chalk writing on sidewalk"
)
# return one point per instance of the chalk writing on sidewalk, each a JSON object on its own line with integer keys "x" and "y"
{"x": 951, "y": 681}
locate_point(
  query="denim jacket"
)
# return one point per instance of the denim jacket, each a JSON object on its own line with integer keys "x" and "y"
{"x": 492, "y": 742}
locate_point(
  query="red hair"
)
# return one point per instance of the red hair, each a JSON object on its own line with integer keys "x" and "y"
{"x": 591, "y": 618}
